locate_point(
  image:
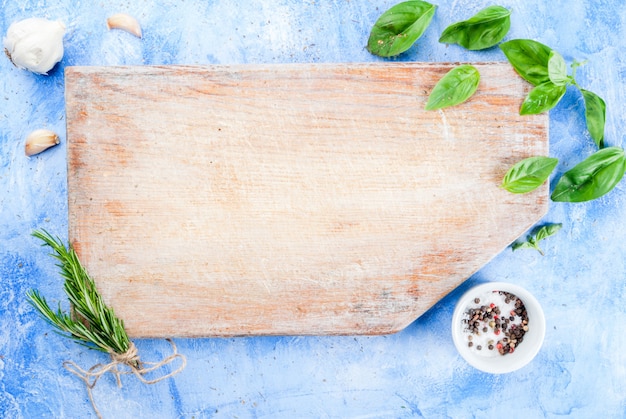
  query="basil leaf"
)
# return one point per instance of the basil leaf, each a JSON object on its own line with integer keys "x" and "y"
{"x": 458, "y": 85}
{"x": 557, "y": 69}
{"x": 540, "y": 233}
{"x": 595, "y": 114}
{"x": 542, "y": 98}
{"x": 483, "y": 30}
{"x": 529, "y": 58}
{"x": 546, "y": 231}
{"x": 528, "y": 174}
{"x": 593, "y": 177}
{"x": 398, "y": 28}
{"x": 528, "y": 244}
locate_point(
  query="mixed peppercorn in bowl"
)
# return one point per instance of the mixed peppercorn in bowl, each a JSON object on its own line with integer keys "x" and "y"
{"x": 498, "y": 327}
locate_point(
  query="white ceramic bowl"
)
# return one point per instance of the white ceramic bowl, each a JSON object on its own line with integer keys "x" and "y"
{"x": 523, "y": 354}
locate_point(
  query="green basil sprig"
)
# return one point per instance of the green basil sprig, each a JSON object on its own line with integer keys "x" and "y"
{"x": 528, "y": 174}
{"x": 546, "y": 69}
{"x": 546, "y": 95}
{"x": 455, "y": 87}
{"x": 483, "y": 30}
{"x": 397, "y": 29}
{"x": 538, "y": 234}
{"x": 593, "y": 177}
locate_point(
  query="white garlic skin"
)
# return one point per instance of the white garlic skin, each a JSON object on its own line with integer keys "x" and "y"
{"x": 40, "y": 140}
{"x": 35, "y": 44}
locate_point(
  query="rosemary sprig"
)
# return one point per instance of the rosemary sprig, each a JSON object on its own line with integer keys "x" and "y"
{"x": 91, "y": 322}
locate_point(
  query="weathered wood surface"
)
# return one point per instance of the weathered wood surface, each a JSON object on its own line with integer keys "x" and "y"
{"x": 290, "y": 199}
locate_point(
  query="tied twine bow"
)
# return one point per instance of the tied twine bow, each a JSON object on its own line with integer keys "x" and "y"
{"x": 131, "y": 360}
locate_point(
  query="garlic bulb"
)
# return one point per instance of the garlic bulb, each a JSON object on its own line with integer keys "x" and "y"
{"x": 40, "y": 140}
{"x": 35, "y": 44}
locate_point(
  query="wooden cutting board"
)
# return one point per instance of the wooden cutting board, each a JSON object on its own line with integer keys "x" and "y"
{"x": 290, "y": 199}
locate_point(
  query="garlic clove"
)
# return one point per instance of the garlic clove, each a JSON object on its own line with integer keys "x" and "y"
{"x": 35, "y": 44}
{"x": 40, "y": 140}
{"x": 124, "y": 22}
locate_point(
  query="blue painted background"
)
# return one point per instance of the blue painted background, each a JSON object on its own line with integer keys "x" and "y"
{"x": 581, "y": 282}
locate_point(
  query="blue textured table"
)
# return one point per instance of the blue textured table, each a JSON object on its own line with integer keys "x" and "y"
{"x": 581, "y": 281}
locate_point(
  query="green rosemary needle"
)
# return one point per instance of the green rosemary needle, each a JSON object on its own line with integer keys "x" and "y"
{"x": 91, "y": 322}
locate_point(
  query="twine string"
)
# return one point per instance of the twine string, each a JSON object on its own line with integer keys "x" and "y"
{"x": 133, "y": 364}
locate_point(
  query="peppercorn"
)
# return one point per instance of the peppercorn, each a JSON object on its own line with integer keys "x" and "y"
{"x": 486, "y": 317}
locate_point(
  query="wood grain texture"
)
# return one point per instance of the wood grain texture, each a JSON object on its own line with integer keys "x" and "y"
{"x": 290, "y": 199}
